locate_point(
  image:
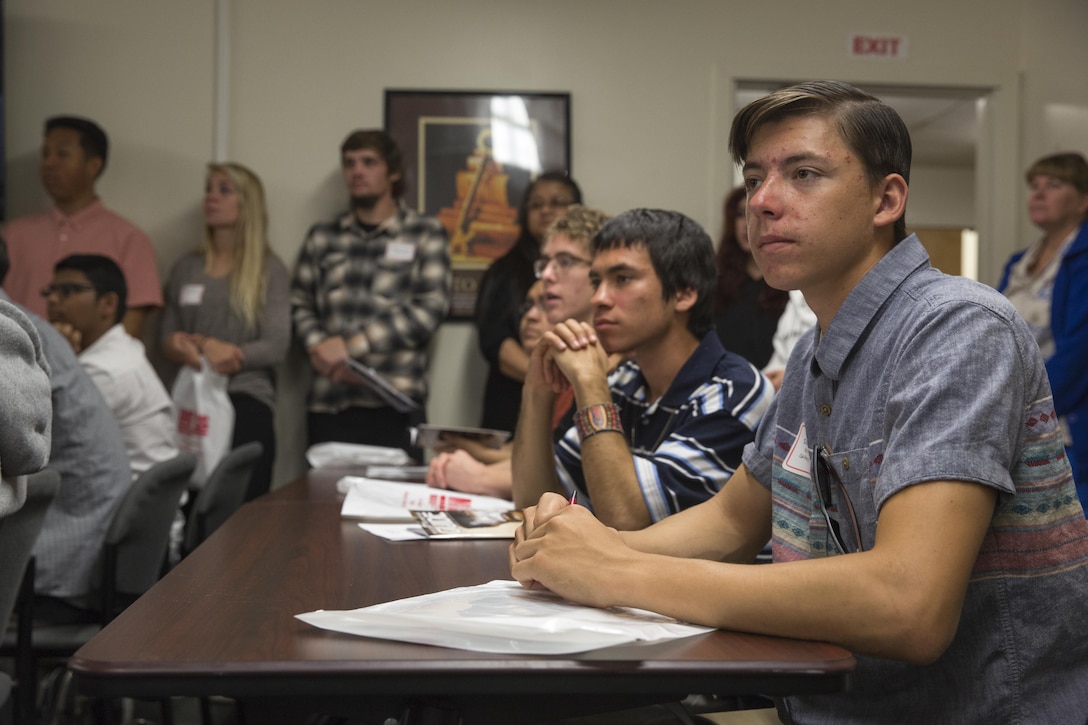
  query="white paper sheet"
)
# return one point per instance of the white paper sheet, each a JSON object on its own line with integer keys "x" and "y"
{"x": 395, "y": 532}
{"x": 502, "y": 617}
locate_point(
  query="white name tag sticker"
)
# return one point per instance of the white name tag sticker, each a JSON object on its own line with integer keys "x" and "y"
{"x": 191, "y": 294}
{"x": 400, "y": 252}
{"x": 798, "y": 458}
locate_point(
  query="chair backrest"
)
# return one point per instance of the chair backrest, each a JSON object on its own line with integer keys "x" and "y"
{"x": 138, "y": 536}
{"x": 19, "y": 531}
{"x": 222, "y": 494}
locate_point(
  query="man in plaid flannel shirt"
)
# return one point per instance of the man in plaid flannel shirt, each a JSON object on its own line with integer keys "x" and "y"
{"x": 373, "y": 285}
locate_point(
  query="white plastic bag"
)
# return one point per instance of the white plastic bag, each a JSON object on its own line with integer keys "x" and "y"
{"x": 205, "y": 423}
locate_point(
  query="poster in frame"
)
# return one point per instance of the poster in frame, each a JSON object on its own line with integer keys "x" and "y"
{"x": 469, "y": 156}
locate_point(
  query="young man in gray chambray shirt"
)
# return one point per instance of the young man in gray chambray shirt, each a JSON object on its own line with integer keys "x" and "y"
{"x": 910, "y": 474}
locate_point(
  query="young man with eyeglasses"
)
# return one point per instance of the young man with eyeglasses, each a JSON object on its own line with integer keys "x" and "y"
{"x": 562, "y": 291}
{"x": 920, "y": 409}
{"x": 666, "y": 430}
{"x": 86, "y": 303}
{"x": 563, "y": 265}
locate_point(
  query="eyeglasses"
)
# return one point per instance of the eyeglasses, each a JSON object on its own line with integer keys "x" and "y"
{"x": 64, "y": 290}
{"x": 553, "y": 203}
{"x": 529, "y": 305}
{"x": 563, "y": 263}
{"x": 822, "y": 473}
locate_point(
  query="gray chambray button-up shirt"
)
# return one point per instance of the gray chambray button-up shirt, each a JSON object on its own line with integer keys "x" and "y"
{"x": 923, "y": 377}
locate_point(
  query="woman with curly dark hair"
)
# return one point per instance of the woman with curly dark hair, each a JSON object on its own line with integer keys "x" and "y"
{"x": 746, "y": 309}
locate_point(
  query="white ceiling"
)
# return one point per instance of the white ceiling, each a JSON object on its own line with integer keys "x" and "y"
{"x": 943, "y": 131}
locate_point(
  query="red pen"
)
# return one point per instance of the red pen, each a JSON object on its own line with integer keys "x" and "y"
{"x": 573, "y": 497}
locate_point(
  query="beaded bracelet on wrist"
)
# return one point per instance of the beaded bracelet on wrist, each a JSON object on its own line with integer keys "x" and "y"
{"x": 598, "y": 418}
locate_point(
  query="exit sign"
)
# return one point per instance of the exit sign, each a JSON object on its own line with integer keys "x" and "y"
{"x": 878, "y": 47}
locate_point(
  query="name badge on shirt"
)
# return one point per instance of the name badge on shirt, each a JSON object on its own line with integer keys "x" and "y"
{"x": 400, "y": 252}
{"x": 797, "y": 460}
{"x": 191, "y": 294}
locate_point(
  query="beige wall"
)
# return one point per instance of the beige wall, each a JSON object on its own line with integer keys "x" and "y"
{"x": 652, "y": 94}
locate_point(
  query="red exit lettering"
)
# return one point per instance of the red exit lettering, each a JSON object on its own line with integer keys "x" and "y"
{"x": 878, "y": 46}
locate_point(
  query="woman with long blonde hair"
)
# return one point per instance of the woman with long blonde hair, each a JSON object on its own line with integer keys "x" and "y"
{"x": 228, "y": 303}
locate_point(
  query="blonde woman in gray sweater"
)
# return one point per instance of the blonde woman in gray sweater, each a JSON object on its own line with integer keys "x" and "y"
{"x": 228, "y": 303}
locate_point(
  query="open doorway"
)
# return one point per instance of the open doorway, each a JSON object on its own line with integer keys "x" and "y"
{"x": 944, "y": 124}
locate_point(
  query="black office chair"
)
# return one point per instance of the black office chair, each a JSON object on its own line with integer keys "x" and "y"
{"x": 132, "y": 561}
{"x": 222, "y": 494}
{"x": 18, "y": 533}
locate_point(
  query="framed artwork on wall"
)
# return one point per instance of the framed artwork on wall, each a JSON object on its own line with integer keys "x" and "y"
{"x": 468, "y": 158}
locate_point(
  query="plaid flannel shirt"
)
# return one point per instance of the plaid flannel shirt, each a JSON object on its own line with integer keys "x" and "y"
{"x": 385, "y": 292}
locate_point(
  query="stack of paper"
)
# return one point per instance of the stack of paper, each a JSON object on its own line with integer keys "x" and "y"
{"x": 370, "y": 499}
{"x": 502, "y": 617}
{"x": 353, "y": 455}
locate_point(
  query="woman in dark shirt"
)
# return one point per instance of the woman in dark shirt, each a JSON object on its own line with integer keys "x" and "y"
{"x": 502, "y": 290}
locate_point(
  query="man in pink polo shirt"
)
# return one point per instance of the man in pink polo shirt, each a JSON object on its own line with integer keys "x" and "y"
{"x": 74, "y": 154}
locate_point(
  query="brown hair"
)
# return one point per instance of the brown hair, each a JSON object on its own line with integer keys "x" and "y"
{"x": 581, "y": 224}
{"x": 381, "y": 142}
{"x": 733, "y": 263}
{"x": 1070, "y": 167}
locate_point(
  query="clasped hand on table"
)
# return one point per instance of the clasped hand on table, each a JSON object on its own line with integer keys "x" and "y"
{"x": 567, "y": 354}
{"x": 561, "y": 547}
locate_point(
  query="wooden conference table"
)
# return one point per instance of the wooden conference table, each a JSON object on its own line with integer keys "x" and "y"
{"x": 222, "y": 623}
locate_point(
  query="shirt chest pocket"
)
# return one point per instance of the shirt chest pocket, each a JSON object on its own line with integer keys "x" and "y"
{"x": 392, "y": 279}
{"x": 853, "y": 483}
